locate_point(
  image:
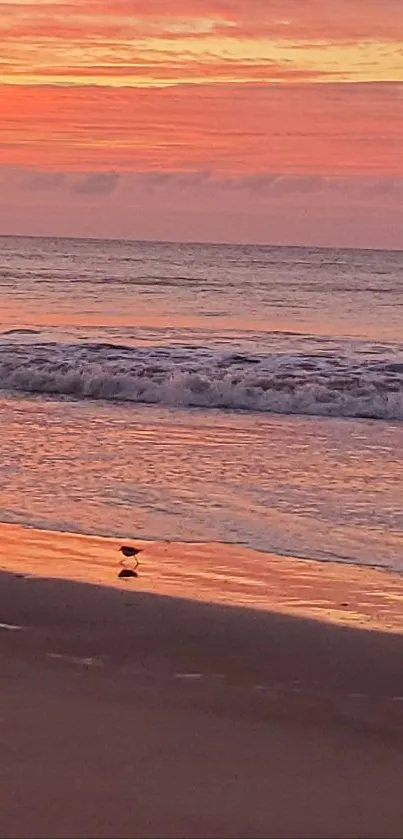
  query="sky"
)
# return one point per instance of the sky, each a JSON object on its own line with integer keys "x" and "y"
{"x": 268, "y": 121}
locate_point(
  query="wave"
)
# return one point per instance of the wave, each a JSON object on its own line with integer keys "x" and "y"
{"x": 324, "y": 384}
{"x": 21, "y": 331}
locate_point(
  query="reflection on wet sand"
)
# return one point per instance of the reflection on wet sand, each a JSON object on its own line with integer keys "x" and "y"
{"x": 361, "y": 597}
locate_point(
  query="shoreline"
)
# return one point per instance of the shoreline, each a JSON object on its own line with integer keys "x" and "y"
{"x": 186, "y": 612}
{"x": 232, "y": 575}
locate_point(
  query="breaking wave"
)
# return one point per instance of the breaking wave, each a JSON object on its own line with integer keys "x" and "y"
{"x": 323, "y": 384}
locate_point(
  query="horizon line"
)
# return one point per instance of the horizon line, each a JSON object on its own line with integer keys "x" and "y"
{"x": 202, "y": 243}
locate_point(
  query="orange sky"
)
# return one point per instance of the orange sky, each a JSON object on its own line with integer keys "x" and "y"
{"x": 108, "y": 106}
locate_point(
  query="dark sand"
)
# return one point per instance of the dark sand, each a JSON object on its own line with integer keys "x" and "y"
{"x": 135, "y": 715}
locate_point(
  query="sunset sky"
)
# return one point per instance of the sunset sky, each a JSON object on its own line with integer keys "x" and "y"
{"x": 277, "y": 121}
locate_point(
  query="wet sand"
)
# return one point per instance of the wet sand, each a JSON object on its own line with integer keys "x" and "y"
{"x": 131, "y": 714}
{"x": 215, "y": 573}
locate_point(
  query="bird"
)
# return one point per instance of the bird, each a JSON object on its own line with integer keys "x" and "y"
{"x": 128, "y": 553}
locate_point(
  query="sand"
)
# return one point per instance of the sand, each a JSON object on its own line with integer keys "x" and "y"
{"x": 133, "y": 714}
{"x": 226, "y": 574}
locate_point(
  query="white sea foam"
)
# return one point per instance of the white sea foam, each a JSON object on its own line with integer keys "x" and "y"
{"x": 323, "y": 385}
{"x": 11, "y": 627}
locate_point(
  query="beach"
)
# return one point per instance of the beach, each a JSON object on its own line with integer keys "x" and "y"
{"x": 132, "y": 713}
{"x": 201, "y": 419}
{"x": 234, "y": 412}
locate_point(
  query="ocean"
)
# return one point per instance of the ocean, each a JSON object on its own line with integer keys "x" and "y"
{"x": 237, "y": 394}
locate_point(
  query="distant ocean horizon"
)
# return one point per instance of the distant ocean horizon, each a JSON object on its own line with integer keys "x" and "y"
{"x": 238, "y": 393}
{"x": 202, "y": 241}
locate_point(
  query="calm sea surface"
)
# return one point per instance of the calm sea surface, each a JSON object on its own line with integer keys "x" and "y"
{"x": 198, "y": 392}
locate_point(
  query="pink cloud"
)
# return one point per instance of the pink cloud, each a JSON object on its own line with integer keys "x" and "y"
{"x": 132, "y": 116}
{"x": 235, "y": 129}
{"x": 200, "y": 207}
{"x": 354, "y": 20}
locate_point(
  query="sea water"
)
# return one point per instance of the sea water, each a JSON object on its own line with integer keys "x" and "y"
{"x": 239, "y": 394}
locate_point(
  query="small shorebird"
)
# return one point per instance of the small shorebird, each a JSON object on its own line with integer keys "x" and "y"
{"x": 128, "y": 553}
